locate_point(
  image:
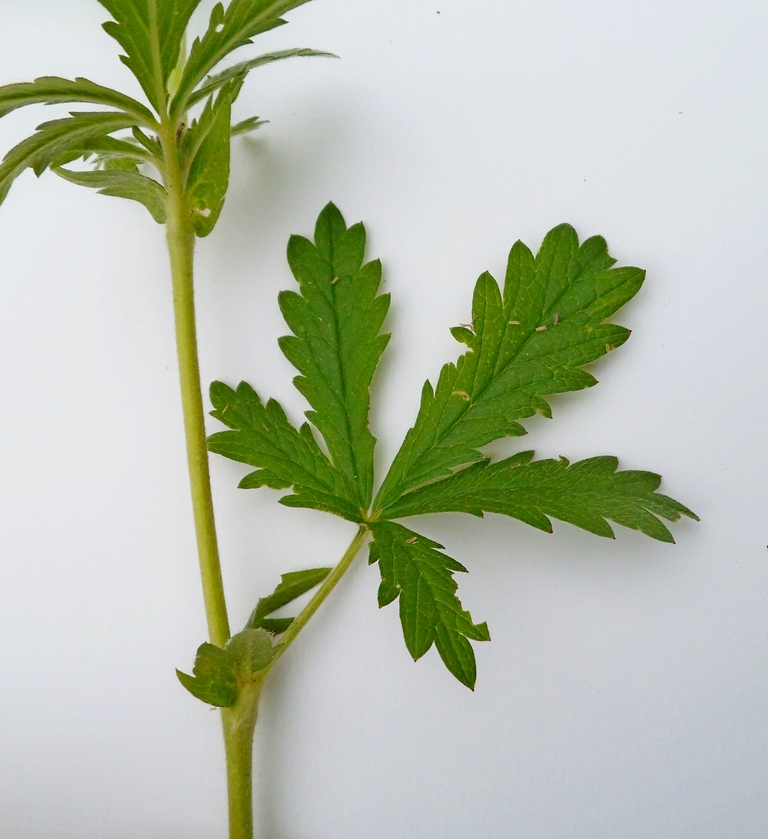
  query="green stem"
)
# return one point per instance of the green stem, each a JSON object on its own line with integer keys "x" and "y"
{"x": 239, "y": 724}
{"x": 240, "y": 720}
{"x": 329, "y": 584}
{"x": 181, "y": 247}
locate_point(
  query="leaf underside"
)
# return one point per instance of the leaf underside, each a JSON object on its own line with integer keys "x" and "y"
{"x": 123, "y": 184}
{"x": 52, "y": 90}
{"x": 53, "y": 142}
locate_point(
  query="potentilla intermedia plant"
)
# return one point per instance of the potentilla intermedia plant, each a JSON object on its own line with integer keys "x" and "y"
{"x": 527, "y": 338}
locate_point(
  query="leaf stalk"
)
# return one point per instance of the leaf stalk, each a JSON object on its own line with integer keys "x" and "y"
{"x": 329, "y": 584}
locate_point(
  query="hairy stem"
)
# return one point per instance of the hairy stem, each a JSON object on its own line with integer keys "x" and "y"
{"x": 181, "y": 246}
{"x": 239, "y": 724}
{"x": 329, "y": 584}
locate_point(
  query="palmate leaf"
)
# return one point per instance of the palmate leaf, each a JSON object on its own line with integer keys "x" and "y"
{"x": 52, "y": 90}
{"x": 150, "y": 32}
{"x": 584, "y": 493}
{"x": 292, "y": 585}
{"x": 261, "y": 436}
{"x": 54, "y": 140}
{"x": 336, "y": 345}
{"x": 227, "y": 31}
{"x": 524, "y": 345}
{"x": 122, "y": 183}
{"x": 414, "y": 569}
{"x": 239, "y": 71}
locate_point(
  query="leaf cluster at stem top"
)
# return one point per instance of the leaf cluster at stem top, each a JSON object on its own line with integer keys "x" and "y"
{"x": 158, "y": 133}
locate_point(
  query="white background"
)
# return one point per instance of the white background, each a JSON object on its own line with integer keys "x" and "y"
{"x": 625, "y": 693}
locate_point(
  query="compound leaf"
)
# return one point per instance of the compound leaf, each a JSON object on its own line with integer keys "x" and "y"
{"x": 54, "y": 140}
{"x": 523, "y": 345}
{"x": 414, "y": 569}
{"x": 123, "y": 183}
{"x": 151, "y": 33}
{"x": 336, "y": 345}
{"x": 585, "y": 494}
{"x": 51, "y": 90}
{"x": 227, "y": 30}
{"x": 262, "y": 436}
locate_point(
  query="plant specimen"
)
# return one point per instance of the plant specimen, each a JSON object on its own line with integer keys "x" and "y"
{"x": 526, "y": 340}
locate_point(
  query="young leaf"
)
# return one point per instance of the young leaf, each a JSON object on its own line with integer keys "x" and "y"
{"x": 247, "y": 125}
{"x": 227, "y": 30}
{"x": 241, "y": 70}
{"x": 414, "y": 569}
{"x": 51, "y": 90}
{"x": 53, "y": 140}
{"x": 584, "y": 493}
{"x": 123, "y": 183}
{"x": 336, "y": 344}
{"x": 215, "y": 677}
{"x": 208, "y": 177}
{"x": 221, "y": 674}
{"x": 251, "y": 651}
{"x": 262, "y": 436}
{"x": 529, "y": 343}
{"x": 293, "y": 585}
{"x": 150, "y": 32}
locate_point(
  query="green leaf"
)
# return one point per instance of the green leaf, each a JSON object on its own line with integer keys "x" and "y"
{"x": 51, "y": 90}
{"x": 103, "y": 149}
{"x": 524, "y": 345}
{"x": 213, "y": 83}
{"x": 248, "y": 125}
{"x": 227, "y": 30}
{"x": 262, "y": 436}
{"x": 250, "y": 651}
{"x": 221, "y": 674}
{"x": 123, "y": 184}
{"x": 208, "y": 177}
{"x": 414, "y": 569}
{"x": 275, "y": 626}
{"x": 584, "y": 493}
{"x": 151, "y": 33}
{"x": 53, "y": 140}
{"x": 336, "y": 344}
{"x": 293, "y": 585}
{"x": 215, "y": 679}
